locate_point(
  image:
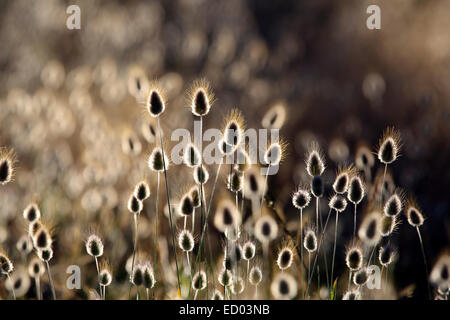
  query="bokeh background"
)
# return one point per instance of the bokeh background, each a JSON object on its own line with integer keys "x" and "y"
{"x": 65, "y": 106}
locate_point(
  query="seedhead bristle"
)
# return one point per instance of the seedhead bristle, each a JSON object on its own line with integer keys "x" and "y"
{"x": 186, "y": 206}
{"x": 275, "y": 153}
{"x": 266, "y": 229}
{"x": 388, "y": 225}
{"x": 248, "y": 250}
{"x": 191, "y": 155}
{"x": 274, "y": 117}
{"x": 361, "y": 276}
{"x": 32, "y": 212}
{"x": 94, "y": 245}
{"x": 386, "y": 255}
{"x": 156, "y": 162}
{"x": 234, "y": 128}
{"x": 186, "y": 240}
{"x": 370, "y": 229}
{"x": 301, "y": 198}
{"x": 315, "y": 163}
{"x": 317, "y": 186}
{"x": 356, "y": 190}
{"x": 155, "y": 102}
{"x": 393, "y": 205}
{"x": 142, "y": 191}
{"x": 283, "y": 287}
{"x": 7, "y": 165}
{"x": 199, "y": 281}
{"x": 310, "y": 240}
{"x": 389, "y": 146}
{"x": 134, "y": 205}
{"x": 414, "y": 215}
{"x": 201, "y": 98}
{"x": 227, "y": 216}
{"x": 255, "y": 275}
{"x": 338, "y": 203}
{"x": 342, "y": 180}
{"x": 354, "y": 258}
{"x": 201, "y": 175}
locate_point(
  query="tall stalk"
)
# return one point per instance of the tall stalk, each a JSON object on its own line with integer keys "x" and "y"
{"x": 424, "y": 261}
{"x": 50, "y": 280}
{"x": 334, "y": 248}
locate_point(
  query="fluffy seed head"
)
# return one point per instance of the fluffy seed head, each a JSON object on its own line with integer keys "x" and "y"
{"x": 201, "y": 98}
{"x": 354, "y": 258}
{"x": 389, "y": 146}
{"x": 32, "y": 212}
{"x": 156, "y": 161}
{"x": 301, "y": 198}
{"x": 310, "y": 240}
{"x": 315, "y": 164}
{"x": 148, "y": 275}
{"x": 45, "y": 254}
{"x": 130, "y": 143}
{"x": 254, "y": 183}
{"x": 248, "y": 250}
{"x": 274, "y": 117}
{"x": 36, "y": 268}
{"x": 134, "y": 205}
{"x": 338, "y": 203}
{"x": 217, "y": 295}
{"x": 238, "y": 285}
{"x": 191, "y": 155}
{"x": 283, "y": 287}
{"x": 194, "y": 194}
{"x": 342, "y": 180}
{"x": 142, "y": 191}
{"x": 386, "y": 255}
{"x": 235, "y": 181}
{"x": 24, "y": 245}
{"x": 285, "y": 258}
{"x": 352, "y": 295}
{"x": 155, "y": 101}
{"x": 317, "y": 186}
{"x": 225, "y": 148}
{"x": 94, "y": 245}
{"x": 393, "y": 205}
{"x": 370, "y": 230}
{"x": 227, "y": 216}
{"x": 364, "y": 158}
{"x": 361, "y": 276}
{"x": 105, "y": 276}
{"x": 355, "y": 190}
{"x": 266, "y": 229}
{"x": 388, "y": 225}
{"x": 440, "y": 274}
{"x": 186, "y": 241}
{"x": 225, "y": 278}
{"x": 201, "y": 175}
{"x": 42, "y": 239}
{"x": 34, "y": 227}
{"x": 255, "y": 275}
{"x": 186, "y": 206}
{"x": 413, "y": 214}
{"x": 6, "y": 266}
{"x": 199, "y": 280}
{"x": 148, "y": 131}
{"x": 7, "y": 165}
{"x": 137, "y": 277}
{"x": 233, "y": 129}
{"x": 275, "y": 153}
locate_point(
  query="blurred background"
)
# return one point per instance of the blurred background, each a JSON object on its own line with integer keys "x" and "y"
{"x": 66, "y": 106}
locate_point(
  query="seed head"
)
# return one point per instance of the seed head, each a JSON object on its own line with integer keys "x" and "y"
{"x": 224, "y": 148}
{"x": 355, "y": 190}
{"x": 194, "y": 194}
{"x": 360, "y": 277}
{"x": 32, "y": 212}
{"x": 254, "y": 183}
{"x": 134, "y": 205}
{"x": 310, "y": 240}
{"x": 393, "y": 205}
{"x": 201, "y": 98}
{"x": 105, "y": 276}
{"x": 389, "y": 146}
{"x": 6, "y": 266}
{"x": 414, "y": 214}
{"x": 338, "y": 203}
{"x": 275, "y": 153}
{"x": 370, "y": 230}
{"x": 342, "y": 180}
{"x": 266, "y": 229}
{"x": 217, "y": 295}
{"x": 34, "y": 227}
{"x": 149, "y": 277}
{"x": 283, "y": 287}
{"x": 45, "y": 254}
{"x": 388, "y": 225}
{"x": 36, "y": 268}
{"x": 148, "y": 131}
{"x": 233, "y": 129}
{"x": 364, "y": 158}
{"x": 7, "y": 165}
{"x": 156, "y": 161}
{"x": 315, "y": 164}
{"x": 199, "y": 281}
{"x": 130, "y": 143}
{"x": 354, "y": 258}
{"x": 248, "y": 250}
{"x": 94, "y": 245}
{"x": 186, "y": 206}
{"x": 301, "y": 198}
{"x": 238, "y": 285}
{"x": 235, "y": 181}
{"x": 227, "y": 216}
{"x": 317, "y": 187}
{"x": 352, "y": 295}
{"x": 142, "y": 191}
{"x": 255, "y": 275}
{"x": 440, "y": 274}
{"x": 386, "y": 255}
{"x": 225, "y": 278}
{"x": 201, "y": 175}
{"x": 285, "y": 258}
{"x": 42, "y": 239}
{"x": 24, "y": 245}
{"x": 274, "y": 117}
{"x": 191, "y": 155}
{"x": 186, "y": 241}
{"x": 138, "y": 275}
{"x": 155, "y": 102}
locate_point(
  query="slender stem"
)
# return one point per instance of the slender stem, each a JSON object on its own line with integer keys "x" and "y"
{"x": 424, "y": 261}
{"x": 300, "y": 228}
{"x": 12, "y": 286}
{"x": 170, "y": 207}
{"x": 349, "y": 279}
{"x": 334, "y": 247}
{"x": 256, "y": 292}
{"x": 38, "y": 287}
{"x": 155, "y": 253}
{"x": 50, "y": 280}
{"x": 354, "y": 224}
{"x": 317, "y": 215}
{"x": 193, "y": 221}
{"x": 264, "y": 188}
{"x": 309, "y": 271}
{"x": 98, "y": 277}
{"x": 195, "y": 294}
{"x": 382, "y": 185}
{"x": 104, "y": 292}
{"x": 148, "y": 294}
{"x": 136, "y": 230}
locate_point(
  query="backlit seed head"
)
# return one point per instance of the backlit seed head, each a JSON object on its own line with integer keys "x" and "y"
{"x": 225, "y": 278}
{"x": 370, "y": 229}
{"x": 356, "y": 190}
{"x": 364, "y": 158}
{"x": 32, "y": 212}
{"x": 225, "y": 148}
{"x": 42, "y": 239}
{"x": 156, "y": 161}
{"x": 148, "y": 275}
{"x": 142, "y": 191}
{"x": 354, "y": 258}
{"x": 393, "y": 205}
{"x": 315, "y": 163}
{"x": 186, "y": 206}
{"x": 201, "y": 98}
{"x": 254, "y": 183}
{"x": 238, "y": 285}
{"x": 7, "y": 165}
{"x": 386, "y": 255}
{"x": 301, "y": 198}
{"x": 194, "y": 193}
{"x": 199, "y": 281}
{"x": 235, "y": 181}
{"x": 6, "y": 265}
{"x": 137, "y": 277}
{"x": 34, "y": 227}
{"x": 275, "y": 153}
{"x": 155, "y": 102}
{"x": 248, "y": 250}
{"x": 243, "y": 162}
{"x": 388, "y": 225}
{"x": 285, "y": 258}
{"x": 389, "y": 146}
{"x": 217, "y": 295}
{"x": 36, "y": 268}
{"x": 342, "y": 180}
{"x": 233, "y": 234}
{"x": 24, "y": 245}
{"x": 283, "y": 287}
{"x": 186, "y": 241}
{"x": 414, "y": 214}
{"x": 255, "y": 275}
{"x": 105, "y": 276}
{"x": 234, "y": 128}
{"x": 191, "y": 155}
{"x": 148, "y": 131}
{"x": 130, "y": 143}
{"x": 338, "y": 203}
{"x": 201, "y": 175}
{"x": 317, "y": 186}
{"x": 361, "y": 276}
{"x": 227, "y": 216}
{"x": 310, "y": 240}
{"x": 440, "y": 274}
{"x": 274, "y": 117}
{"x": 352, "y": 295}
{"x": 94, "y": 245}
{"x": 45, "y": 254}
{"x": 134, "y": 205}
{"x": 138, "y": 84}
{"x": 266, "y": 229}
